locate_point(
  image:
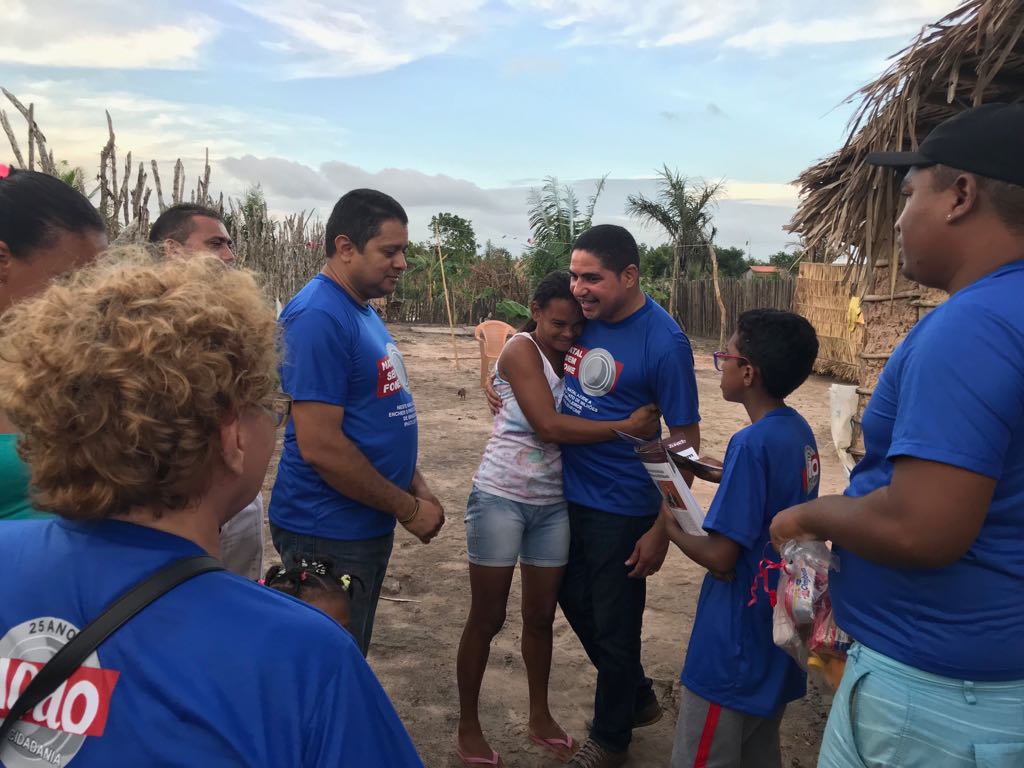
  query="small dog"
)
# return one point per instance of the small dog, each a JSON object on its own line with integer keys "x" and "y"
{"x": 461, "y": 393}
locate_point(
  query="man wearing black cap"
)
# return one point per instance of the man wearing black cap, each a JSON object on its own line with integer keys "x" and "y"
{"x": 930, "y": 533}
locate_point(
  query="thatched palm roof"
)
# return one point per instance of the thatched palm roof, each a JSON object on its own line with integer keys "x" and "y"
{"x": 972, "y": 56}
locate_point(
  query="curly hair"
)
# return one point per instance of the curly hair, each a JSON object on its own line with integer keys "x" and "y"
{"x": 119, "y": 377}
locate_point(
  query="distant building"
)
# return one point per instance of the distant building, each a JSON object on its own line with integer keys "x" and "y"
{"x": 761, "y": 270}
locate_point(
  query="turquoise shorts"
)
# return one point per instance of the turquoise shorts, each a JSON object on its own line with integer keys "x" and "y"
{"x": 890, "y": 715}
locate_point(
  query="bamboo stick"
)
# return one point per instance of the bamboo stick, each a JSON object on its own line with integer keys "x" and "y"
{"x": 444, "y": 285}
{"x": 891, "y": 297}
{"x": 31, "y": 139}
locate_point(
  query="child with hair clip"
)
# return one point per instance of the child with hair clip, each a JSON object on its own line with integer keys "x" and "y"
{"x": 315, "y": 582}
{"x": 736, "y": 681}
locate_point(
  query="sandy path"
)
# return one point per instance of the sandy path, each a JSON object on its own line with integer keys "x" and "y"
{"x": 415, "y": 642}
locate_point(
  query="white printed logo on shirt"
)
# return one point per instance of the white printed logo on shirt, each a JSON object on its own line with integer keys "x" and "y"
{"x": 597, "y": 370}
{"x": 52, "y": 732}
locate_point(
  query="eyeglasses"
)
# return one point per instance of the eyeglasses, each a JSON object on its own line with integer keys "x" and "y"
{"x": 718, "y": 357}
{"x": 279, "y": 407}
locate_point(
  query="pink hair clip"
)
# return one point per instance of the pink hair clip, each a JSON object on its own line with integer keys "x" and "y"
{"x": 5, "y": 171}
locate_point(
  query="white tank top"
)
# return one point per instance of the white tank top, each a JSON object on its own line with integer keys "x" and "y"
{"x": 516, "y": 465}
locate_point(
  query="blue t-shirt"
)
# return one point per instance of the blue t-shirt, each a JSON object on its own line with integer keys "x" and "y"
{"x": 732, "y": 659}
{"x": 217, "y": 672}
{"x": 952, "y": 392}
{"x": 340, "y": 352}
{"x": 612, "y": 370}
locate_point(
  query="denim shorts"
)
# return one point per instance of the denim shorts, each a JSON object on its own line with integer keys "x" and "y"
{"x": 499, "y": 531}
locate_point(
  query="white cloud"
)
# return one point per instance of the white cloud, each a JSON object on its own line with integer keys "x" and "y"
{"x": 751, "y": 24}
{"x": 761, "y": 193}
{"x": 71, "y": 115}
{"x": 345, "y": 37}
{"x": 890, "y": 20}
{"x": 101, "y": 35}
{"x": 653, "y": 23}
{"x": 748, "y": 212}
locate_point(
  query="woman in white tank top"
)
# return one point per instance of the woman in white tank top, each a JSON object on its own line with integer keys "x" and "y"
{"x": 516, "y": 511}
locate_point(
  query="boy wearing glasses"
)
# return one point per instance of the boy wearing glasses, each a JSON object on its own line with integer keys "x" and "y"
{"x": 736, "y": 682}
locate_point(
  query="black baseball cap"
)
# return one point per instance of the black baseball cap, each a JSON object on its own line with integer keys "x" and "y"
{"x": 986, "y": 140}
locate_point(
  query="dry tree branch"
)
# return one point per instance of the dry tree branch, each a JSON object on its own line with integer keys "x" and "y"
{"x": 12, "y": 138}
{"x": 159, "y": 189}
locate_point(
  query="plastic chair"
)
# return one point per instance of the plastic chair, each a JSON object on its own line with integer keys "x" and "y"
{"x": 492, "y": 335}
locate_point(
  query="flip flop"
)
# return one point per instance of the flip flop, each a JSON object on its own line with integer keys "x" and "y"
{"x": 469, "y": 761}
{"x": 553, "y": 744}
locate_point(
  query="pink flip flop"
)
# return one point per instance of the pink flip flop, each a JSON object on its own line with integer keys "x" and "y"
{"x": 553, "y": 744}
{"x": 471, "y": 761}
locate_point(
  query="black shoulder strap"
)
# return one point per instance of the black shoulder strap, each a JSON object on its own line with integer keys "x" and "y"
{"x": 70, "y": 657}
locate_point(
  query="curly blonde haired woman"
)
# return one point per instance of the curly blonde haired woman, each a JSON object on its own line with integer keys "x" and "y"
{"x": 145, "y": 396}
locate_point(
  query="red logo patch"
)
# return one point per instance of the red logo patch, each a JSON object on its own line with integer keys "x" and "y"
{"x": 388, "y": 382}
{"x": 572, "y": 360}
{"x": 80, "y": 706}
{"x": 812, "y": 469}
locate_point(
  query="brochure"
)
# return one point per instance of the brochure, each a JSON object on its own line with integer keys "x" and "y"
{"x": 663, "y": 463}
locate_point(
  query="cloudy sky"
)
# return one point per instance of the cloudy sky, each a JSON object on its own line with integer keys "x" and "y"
{"x": 461, "y": 105}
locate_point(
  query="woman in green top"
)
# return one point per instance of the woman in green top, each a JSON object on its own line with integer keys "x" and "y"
{"x": 47, "y": 228}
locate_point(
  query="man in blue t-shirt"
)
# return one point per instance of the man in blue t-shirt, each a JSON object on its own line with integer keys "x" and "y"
{"x": 736, "y": 681}
{"x": 930, "y": 533}
{"x": 631, "y": 353}
{"x": 348, "y": 469}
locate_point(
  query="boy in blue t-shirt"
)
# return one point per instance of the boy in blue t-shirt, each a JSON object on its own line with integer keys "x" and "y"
{"x": 736, "y": 682}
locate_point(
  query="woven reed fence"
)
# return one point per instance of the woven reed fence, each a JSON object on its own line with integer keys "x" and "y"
{"x": 698, "y": 309}
{"x": 465, "y": 311}
{"x": 823, "y": 293}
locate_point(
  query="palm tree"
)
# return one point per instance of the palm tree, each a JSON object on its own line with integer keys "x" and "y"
{"x": 73, "y": 177}
{"x": 684, "y": 210}
{"x": 555, "y": 221}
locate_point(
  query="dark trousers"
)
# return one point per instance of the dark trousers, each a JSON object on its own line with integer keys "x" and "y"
{"x": 605, "y": 609}
{"x": 366, "y": 559}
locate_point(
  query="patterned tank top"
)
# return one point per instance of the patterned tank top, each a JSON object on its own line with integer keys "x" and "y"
{"x": 516, "y": 465}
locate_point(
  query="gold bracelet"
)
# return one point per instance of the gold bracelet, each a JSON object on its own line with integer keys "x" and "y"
{"x": 415, "y": 511}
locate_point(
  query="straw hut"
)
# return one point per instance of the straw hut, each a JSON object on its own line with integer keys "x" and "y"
{"x": 972, "y": 56}
{"x": 823, "y": 296}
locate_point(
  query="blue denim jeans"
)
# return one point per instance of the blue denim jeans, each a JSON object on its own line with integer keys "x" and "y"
{"x": 605, "y": 609}
{"x": 367, "y": 559}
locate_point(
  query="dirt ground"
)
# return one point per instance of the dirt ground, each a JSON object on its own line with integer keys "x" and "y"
{"x": 427, "y": 590}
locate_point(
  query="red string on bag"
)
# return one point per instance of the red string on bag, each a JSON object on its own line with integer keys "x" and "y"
{"x": 762, "y": 575}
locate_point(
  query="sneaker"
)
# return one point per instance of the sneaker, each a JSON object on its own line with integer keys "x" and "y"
{"x": 593, "y": 755}
{"x": 647, "y": 715}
